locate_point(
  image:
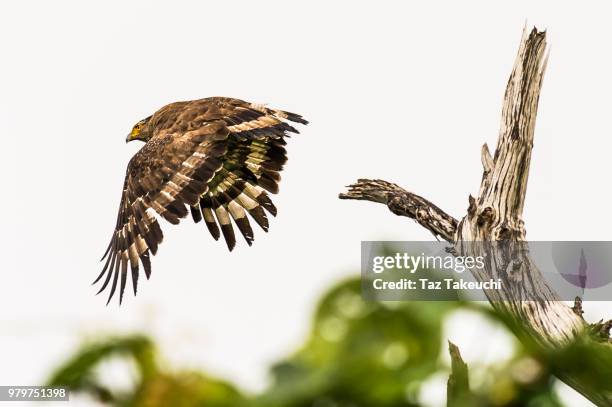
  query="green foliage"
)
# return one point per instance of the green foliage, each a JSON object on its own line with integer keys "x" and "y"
{"x": 155, "y": 388}
{"x": 361, "y": 352}
{"x": 358, "y": 353}
{"x": 587, "y": 359}
{"x": 78, "y": 373}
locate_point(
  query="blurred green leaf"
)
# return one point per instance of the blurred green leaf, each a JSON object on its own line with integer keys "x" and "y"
{"x": 155, "y": 388}
{"x": 78, "y": 373}
{"x": 358, "y": 353}
{"x": 373, "y": 354}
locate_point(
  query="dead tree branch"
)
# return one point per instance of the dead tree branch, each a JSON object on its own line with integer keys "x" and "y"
{"x": 495, "y": 215}
{"x": 458, "y": 384}
{"x": 404, "y": 203}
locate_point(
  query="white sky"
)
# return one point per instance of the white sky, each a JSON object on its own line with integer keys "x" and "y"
{"x": 402, "y": 91}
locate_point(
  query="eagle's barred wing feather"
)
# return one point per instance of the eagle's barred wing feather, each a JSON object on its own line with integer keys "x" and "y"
{"x": 168, "y": 173}
{"x": 217, "y": 156}
{"x": 251, "y": 166}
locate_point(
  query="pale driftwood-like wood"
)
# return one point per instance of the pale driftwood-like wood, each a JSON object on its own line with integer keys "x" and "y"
{"x": 495, "y": 216}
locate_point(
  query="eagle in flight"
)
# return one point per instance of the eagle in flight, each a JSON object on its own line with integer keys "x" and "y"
{"x": 216, "y": 158}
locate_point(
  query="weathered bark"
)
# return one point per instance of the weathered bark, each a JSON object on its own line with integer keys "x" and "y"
{"x": 404, "y": 203}
{"x": 495, "y": 216}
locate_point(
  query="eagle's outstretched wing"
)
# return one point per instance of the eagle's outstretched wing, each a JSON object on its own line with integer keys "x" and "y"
{"x": 218, "y": 156}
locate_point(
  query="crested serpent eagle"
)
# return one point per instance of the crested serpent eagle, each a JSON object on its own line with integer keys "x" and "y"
{"x": 216, "y": 157}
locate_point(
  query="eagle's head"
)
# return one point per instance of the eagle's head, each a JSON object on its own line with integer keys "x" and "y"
{"x": 140, "y": 131}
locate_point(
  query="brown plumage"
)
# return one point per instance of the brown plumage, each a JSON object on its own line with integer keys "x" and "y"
{"x": 216, "y": 156}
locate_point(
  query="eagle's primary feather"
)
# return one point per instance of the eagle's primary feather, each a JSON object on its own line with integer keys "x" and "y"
{"x": 217, "y": 156}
